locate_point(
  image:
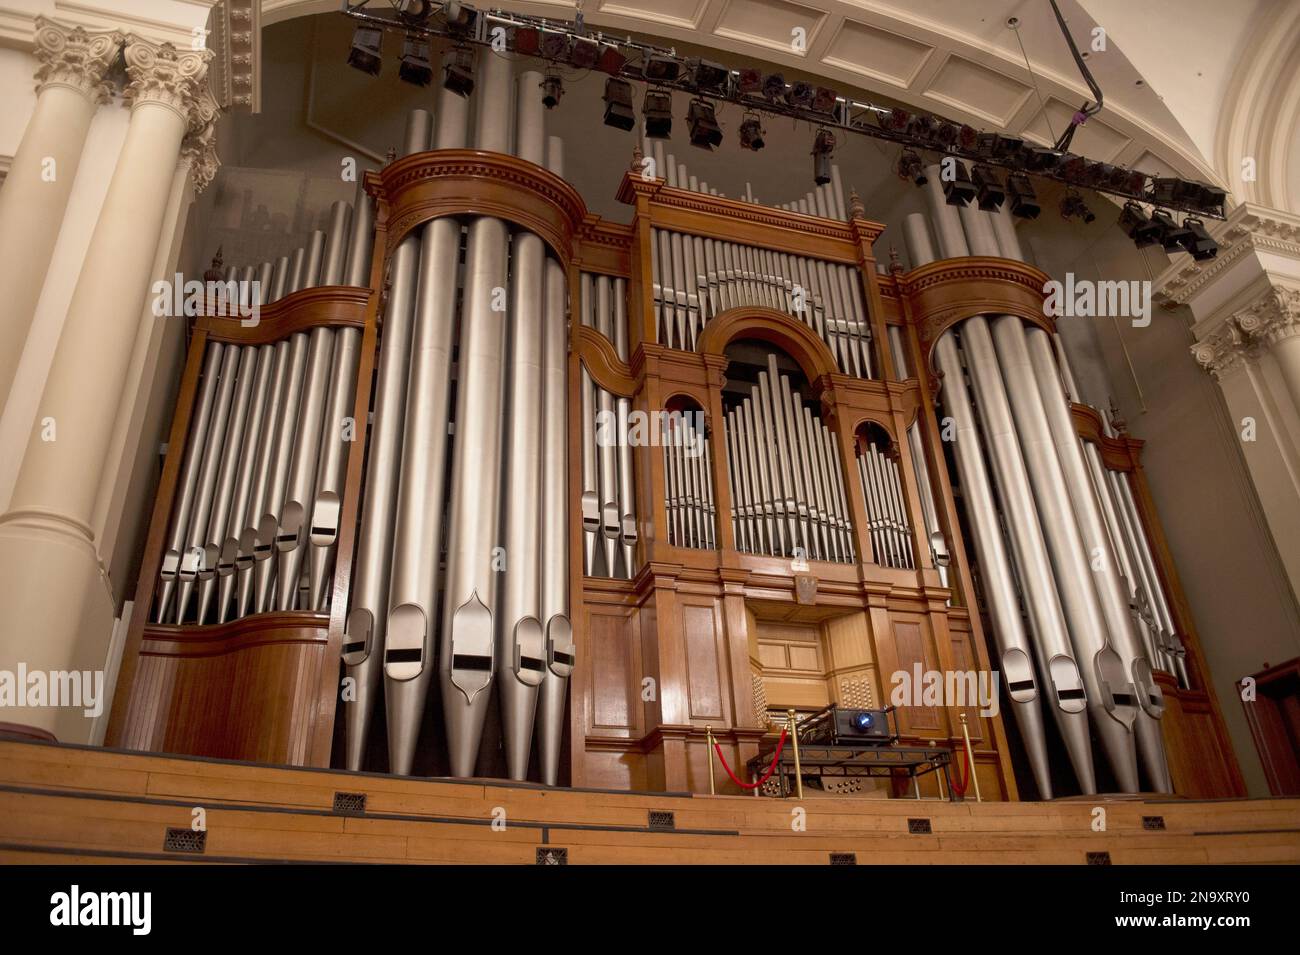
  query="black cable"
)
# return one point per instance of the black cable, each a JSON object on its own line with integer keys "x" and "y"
{"x": 1063, "y": 143}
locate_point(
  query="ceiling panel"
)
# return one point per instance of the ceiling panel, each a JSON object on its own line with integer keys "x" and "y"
{"x": 678, "y": 13}
{"x": 1094, "y": 139}
{"x": 978, "y": 90}
{"x": 879, "y": 54}
{"x": 770, "y": 23}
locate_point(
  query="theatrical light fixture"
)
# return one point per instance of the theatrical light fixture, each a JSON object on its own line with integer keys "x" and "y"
{"x": 1198, "y": 195}
{"x": 923, "y": 126}
{"x": 958, "y": 190}
{"x": 703, "y": 125}
{"x": 657, "y": 111}
{"x": 414, "y": 12}
{"x": 619, "y": 111}
{"x": 460, "y": 18}
{"x": 988, "y": 188}
{"x": 458, "y": 70}
{"x": 1073, "y": 207}
{"x": 750, "y": 81}
{"x": 584, "y": 53}
{"x": 555, "y": 46}
{"x": 1138, "y": 226}
{"x": 661, "y": 69}
{"x": 1020, "y": 191}
{"x": 800, "y": 95}
{"x": 366, "y": 54}
{"x": 415, "y": 66}
{"x": 895, "y": 120}
{"x": 1197, "y": 241}
{"x": 774, "y": 87}
{"x": 611, "y": 60}
{"x": 552, "y": 91}
{"x": 1171, "y": 233}
{"x": 823, "y": 146}
{"x": 1042, "y": 158}
{"x": 825, "y": 100}
{"x": 911, "y": 167}
{"x": 527, "y": 40}
{"x": 751, "y": 133}
{"x": 710, "y": 77}
{"x": 998, "y": 147}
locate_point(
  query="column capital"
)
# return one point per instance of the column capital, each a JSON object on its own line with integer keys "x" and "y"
{"x": 1272, "y": 316}
{"x": 199, "y": 152}
{"x": 75, "y": 58}
{"x": 160, "y": 73}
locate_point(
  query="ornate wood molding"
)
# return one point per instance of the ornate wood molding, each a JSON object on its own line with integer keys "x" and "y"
{"x": 604, "y": 247}
{"x": 602, "y": 362}
{"x": 473, "y": 182}
{"x": 945, "y": 292}
{"x": 1118, "y": 453}
{"x": 769, "y": 325}
{"x": 265, "y": 629}
{"x": 324, "y": 306}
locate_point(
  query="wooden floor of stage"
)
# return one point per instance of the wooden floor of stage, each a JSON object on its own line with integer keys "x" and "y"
{"x": 61, "y": 804}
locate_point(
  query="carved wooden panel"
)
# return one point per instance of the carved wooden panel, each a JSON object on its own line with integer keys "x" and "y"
{"x": 912, "y": 643}
{"x": 700, "y": 632}
{"x": 609, "y": 648}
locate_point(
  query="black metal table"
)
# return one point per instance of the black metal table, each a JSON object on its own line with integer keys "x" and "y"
{"x": 846, "y": 762}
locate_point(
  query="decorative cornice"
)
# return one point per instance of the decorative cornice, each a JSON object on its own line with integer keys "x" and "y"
{"x": 1272, "y": 317}
{"x": 75, "y": 58}
{"x": 160, "y": 73}
{"x": 237, "y": 42}
{"x": 1248, "y": 229}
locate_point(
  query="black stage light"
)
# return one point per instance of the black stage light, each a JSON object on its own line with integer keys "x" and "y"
{"x": 751, "y": 81}
{"x": 1072, "y": 168}
{"x": 657, "y": 111}
{"x": 555, "y": 46}
{"x": 662, "y": 69}
{"x": 1117, "y": 177}
{"x": 414, "y": 12}
{"x": 703, "y": 125}
{"x": 988, "y": 188}
{"x": 611, "y": 60}
{"x": 751, "y": 133}
{"x": 366, "y": 54}
{"x": 584, "y": 53}
{"x": 1197, "y": 241}
{"x": 946, "y": 135}
{"x": 415, "y": 66}
{"x": 894, "y": 120}
{"x": 1171, "y": 233}
{"x": 1135, "y": 183}
{"x": 1166, "y": 190}
{"x": 1042, "y": 158}
{"x": 1183, "y": 192}
{"x": 923, "y": 127}
{"x": 552, "y": 90}
{"x": 460, "y": 18}
{"x": 800, "y": 95}
{"x": 997, "y": 147}
{"x": 911, "y": 167}
{"x": 458, "y": 70}
{"x": 527, "y": 40}
{"x": 967, "y": 138}
{"x": 958, "y": 190}
{"x": 1024, "y": 203}
{"x": 774, "y": 87}
{"x": 1073, "y": 207}
{"x": 1137, "y": 226}
{"x": 710, "y": 77}
{"x": 1212, "y": 199}
{"x": 825, "y": 100}
{"x": 618, "y": 104}
{"x": 823, "y": 146}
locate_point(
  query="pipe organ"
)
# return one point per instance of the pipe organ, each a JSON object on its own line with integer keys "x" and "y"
{"x": 617, "y": 483}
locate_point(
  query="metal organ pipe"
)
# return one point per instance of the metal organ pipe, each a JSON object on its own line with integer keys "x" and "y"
{"x": 366, "y": 627}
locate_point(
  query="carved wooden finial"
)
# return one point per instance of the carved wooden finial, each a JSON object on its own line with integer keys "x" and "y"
{"x": 856, "y": 209}
{"x": 1116, "y": 419}
{"x": 215, "y": 272}
{"x": 391, "y": 156}
{"x": 895, "y": 266}
{"x": 638, "y": 160}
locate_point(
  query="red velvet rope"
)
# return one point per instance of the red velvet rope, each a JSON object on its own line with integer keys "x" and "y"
{"x": 766, "y": 776}
{"x": 960, "y": 788}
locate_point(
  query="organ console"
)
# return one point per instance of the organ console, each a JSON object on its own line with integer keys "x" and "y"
{"x": 401, "y": 472}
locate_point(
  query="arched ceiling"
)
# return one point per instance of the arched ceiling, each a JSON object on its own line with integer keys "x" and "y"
{"x": 956, "y": 59}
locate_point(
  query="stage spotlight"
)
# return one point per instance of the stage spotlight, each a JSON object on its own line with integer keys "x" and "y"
{"x": 923, "y": 126}
{"x": 773, "y": 87}
{"x": 460, "y": 18}
{"x": 988, "y": 188}
{"x": 552, "y": 91}
{"x": 703, "y": 125}
{"x": 823, "y": 146}
{"x": 1197, "y": 241}
{"x": 458, "y": 70}
{"x": 1171, "y": 233}
{"x": 895, "y": 120}
{"x": 584, "y": 53}
{"x": 911, "y": 167}
{"x": 366, "y": 53}
{"x": 1024, "y": 203}
{"x": 527, "y": 40}
{"x": 751, "y": 81}
{"x": 555, "y": 46}
{"x": 1182, "y": 192}
{"x": 1073, "y": 207}
{"x": 710, "y": 77}
{"x": 611, "y": 60}
{"x": 618, "y": 104}
{"x": 1212, "y": 199}
{"x": 959, "y": 190}
{"x": 415, "y": 66}
{"x": 1137, "y": 226}
{"x": 1136, "y": 182}
{"x": 800, "y": 94}
{"x": 657, "y": 111}
{"x": 997, "y": 147}
{"x": 967, "y": 138}
{"x": 825, "y": 100}
{"x": 662, "y": 69}
{"x": 1042, "y": 158}
{"x": 414, "y": 12}
{"x": 1072, "y": 168}
{"x": 751, "y": 133}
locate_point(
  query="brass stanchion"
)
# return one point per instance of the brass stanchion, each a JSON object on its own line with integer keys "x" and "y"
{"x": 970, "y": 756}
{"x": 798, "y": 772}
{"x": 708, "y": 734}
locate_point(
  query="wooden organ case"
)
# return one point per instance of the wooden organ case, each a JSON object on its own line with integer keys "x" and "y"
{"x": 674, "y": 633}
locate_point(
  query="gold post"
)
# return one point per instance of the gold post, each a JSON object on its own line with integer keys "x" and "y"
{"x": 938, "y": 777}
{"x": 708, "y": 734}
{"x": 798, "y": 772}
{"x": 970, "y": 755}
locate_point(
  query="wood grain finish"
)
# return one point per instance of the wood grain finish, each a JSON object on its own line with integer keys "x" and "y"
{"x": 326, "y": 306}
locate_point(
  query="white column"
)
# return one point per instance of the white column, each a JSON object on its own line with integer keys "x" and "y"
{"x": 70, "y": 86}
{"x": 56, "y": 611}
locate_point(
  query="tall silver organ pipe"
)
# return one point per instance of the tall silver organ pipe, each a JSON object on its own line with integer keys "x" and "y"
{"x": 626, "y": 499}
{"x": 364, "y": 632}
{"x": 787, "y": 487}
{"x": 889, "y": 528}
{"x": 690, "y": 507}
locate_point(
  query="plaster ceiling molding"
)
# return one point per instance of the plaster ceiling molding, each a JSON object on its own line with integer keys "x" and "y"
{"x": 685, "y": 14}
{"x": 1260, "y": 114}
{"x": 1270, "y": 236}
{"x": 966, "y": 86}
{"x": 771, "y": 24}
{"x": 236, "y": 39}
{"x": 177, "y": 22}
{"x": 876, "y": 54}
{"x": 1272, "y": 316}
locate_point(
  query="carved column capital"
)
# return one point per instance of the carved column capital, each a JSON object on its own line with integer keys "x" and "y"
{"x": 1271, "y": 317}
{"x": 159, "y": 73}
{"x": 75, "y": 58}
